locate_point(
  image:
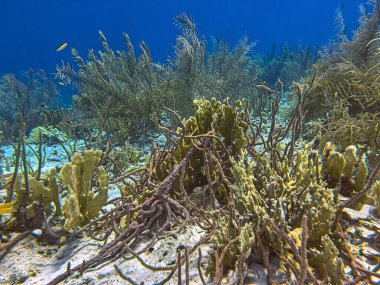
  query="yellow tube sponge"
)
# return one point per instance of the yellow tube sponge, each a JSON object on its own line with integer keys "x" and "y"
{"x": 83, "y": 205}
{"x": 335, "y": 165}
{"x": 351, "y": 159}
{"x": 361, "y": 175}
{"x": 377, "y": 193}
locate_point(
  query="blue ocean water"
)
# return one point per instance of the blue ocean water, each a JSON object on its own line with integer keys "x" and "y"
{"x": 32, "y": 30}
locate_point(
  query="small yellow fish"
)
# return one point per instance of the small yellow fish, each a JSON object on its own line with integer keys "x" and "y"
{"x": 6, "y": 208}
{"x": 61, "y": 47}
{"x": 61, "y": 83}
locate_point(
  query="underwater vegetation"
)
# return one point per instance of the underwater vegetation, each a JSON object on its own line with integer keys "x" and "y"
{"x": 289, "y": 64}
{"x": 25, "y": 99}
{"x": 347, "y": 87}
{"x": 219, "y": 73}
{"x": 120, "y": 92}
{"x": 252, "y": 203}
{"x": 262, "y": 181}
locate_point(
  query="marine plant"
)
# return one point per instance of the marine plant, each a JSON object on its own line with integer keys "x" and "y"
{"x": 117, "y": 91}
{"x": 288, "y": 64}
{"x": 50, "y": 135}
{"x": 218, "y": 73}
{"x": 125, "y": 157}
{"x": 24, "y": 100}
{"x": 347, "y": 86}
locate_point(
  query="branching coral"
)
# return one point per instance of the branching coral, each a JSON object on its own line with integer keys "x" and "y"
{"x": 345, "y": 130}
{"x": 327, "y": 261}
{"x": 28, "y": 207}
{"x": 377, "y": 192}
{"x": 125, "y": 157}
{"x": 254, "y": 193}
{"x": 50, "y": 135}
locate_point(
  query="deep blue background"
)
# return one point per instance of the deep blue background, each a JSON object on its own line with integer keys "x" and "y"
{"x": 31, "y": 30}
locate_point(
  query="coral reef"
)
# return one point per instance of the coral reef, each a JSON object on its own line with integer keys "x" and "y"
{"x": 255, "y": 189}
{"x": 253, "y": 202}
{"x": 262, "y": 194}
{"x": 212, "y": 119}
